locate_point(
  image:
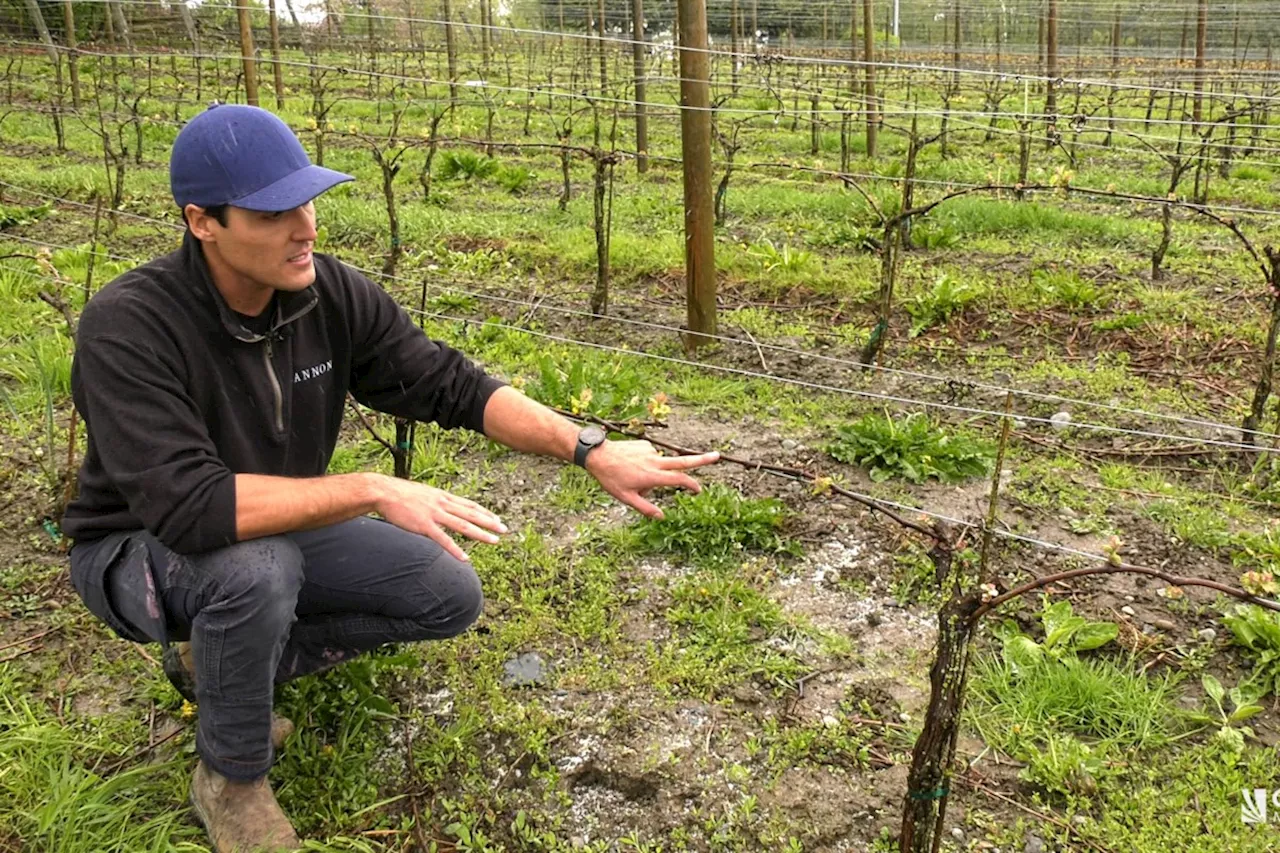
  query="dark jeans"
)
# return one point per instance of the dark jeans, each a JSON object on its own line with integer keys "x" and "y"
{"x": 262, "y": 612}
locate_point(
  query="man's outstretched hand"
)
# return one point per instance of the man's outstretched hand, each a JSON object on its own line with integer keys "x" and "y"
{"x": 630, "y": 470}
{"x": 431, "y": 512}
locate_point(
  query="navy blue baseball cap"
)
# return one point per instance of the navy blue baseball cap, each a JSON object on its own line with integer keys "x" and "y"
{"x": 246, "y": 157}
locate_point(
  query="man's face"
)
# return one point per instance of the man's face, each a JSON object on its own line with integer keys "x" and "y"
{"x": 262, "y": 250}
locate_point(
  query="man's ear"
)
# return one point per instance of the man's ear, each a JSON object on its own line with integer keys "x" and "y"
{"x": 202, "y": 225}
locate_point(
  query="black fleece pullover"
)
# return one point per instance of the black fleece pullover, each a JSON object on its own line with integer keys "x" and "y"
{"x": 179, "y": 395}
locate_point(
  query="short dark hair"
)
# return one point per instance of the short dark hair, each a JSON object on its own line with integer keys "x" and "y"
{"x": 217, "y": 211}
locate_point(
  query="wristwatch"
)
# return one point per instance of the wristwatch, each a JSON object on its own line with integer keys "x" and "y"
{"x": 588, "y": 440}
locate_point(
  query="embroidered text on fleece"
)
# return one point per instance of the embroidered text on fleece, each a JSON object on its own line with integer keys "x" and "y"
{"x": 178, "y": 396}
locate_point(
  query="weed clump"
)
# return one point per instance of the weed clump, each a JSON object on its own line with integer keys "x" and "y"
{"x": 468, "y": 165}
{"x": 912, "y": 448}
{"x": 609, "y": 390}
{"x": 934, "y": 307}
{"x": 1068, "y": 289}
{"x": 717, "y": 527}
{"x": 1258, "y": 631}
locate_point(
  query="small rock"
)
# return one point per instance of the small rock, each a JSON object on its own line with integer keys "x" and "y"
{"x": 1207, "y": 634}
{"x": 1127, "y": 610}
{"x": 1035, "y": 844}
{"x": 904, "y": 717}
{"x": 838, "y": 507}
{"x": 1079, "y": 820}
{"x": 527, "y": 670}
{"x": 1019, "y": 423}
{"x": 1129, "y": 598}
{"x": 1148, "y": 630}
{"x": 1164, "y": 624}
{"x": 790, "y": 444}
{"x": 958, "y": 834}
{"x": 829, "y": 721}
{"x": 1060, "y": 420}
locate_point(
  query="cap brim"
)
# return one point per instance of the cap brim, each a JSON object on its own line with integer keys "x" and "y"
{"x": 293, "y": 190}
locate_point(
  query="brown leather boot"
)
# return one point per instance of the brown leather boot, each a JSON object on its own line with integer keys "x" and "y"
{"x": 181, "y": 669}
{"x": 240, "y": 817}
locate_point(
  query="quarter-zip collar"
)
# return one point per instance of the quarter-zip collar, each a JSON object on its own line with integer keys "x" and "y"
{"x": 289, "y": 306}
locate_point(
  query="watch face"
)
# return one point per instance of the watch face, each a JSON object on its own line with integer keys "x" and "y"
{"x": 592, "y": 435}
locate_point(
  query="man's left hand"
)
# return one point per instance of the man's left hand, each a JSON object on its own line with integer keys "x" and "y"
{"x": 630, "y": 470}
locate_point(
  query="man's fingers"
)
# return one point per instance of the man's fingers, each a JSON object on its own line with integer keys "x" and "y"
{"x": 479, "y": 516}
{"x": 643, "y": 506}
{"x": 436, "y": 534}
{"x": 478, "y": 512}
{"x": 459, "y": 524}
{"x": 678, "y": 480}
{"x": 685, "y": 463}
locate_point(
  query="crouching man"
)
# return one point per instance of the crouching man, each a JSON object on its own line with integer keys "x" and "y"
{"x": 213, "y": 382}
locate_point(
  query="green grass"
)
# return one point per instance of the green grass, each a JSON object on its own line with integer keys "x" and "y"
{"x": 61, "y": 791}
{"x": 1252, "y": 172}
{"x": 1110, "y": 703}
{"x": 1046, "y": 220}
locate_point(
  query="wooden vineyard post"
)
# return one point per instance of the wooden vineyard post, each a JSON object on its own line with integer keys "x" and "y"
{"x": 604, "y": 54}
{"x": 695, "y": 144}
{"x": 189, "y": 23}
{"x": 1051, "y": 84}
{"x": 451, "y": 50}
{"x": 276, "y": 70}
{"x": 122, "y": 26}
{"x": 247, "y": 58}
{"x": 372, "y": 36}
{"x": 69, "y": 24}
{"x": 486, "y": 45}
{"x": 999, "y": 38}
{"x": 1202, "y": 24}
{"x": 1040, "y": 57}
{"x": 733, "y": 46}
{"x": 37, "y": 20}
{"x": 853, "y": 48}
{"x": 1115, "y": 73}
{"x": 955, "y": 42}
{"x": 637, "y": 55}
{"x": 869, "y": 51}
